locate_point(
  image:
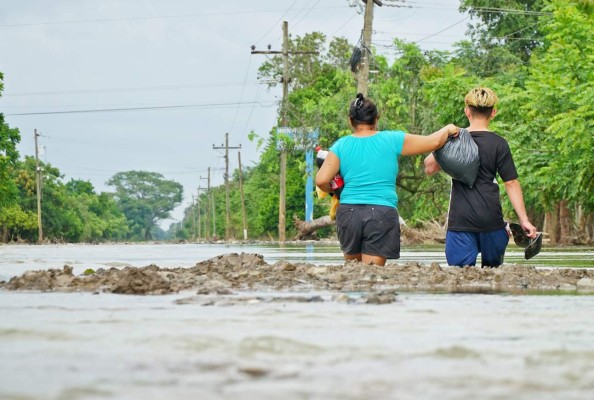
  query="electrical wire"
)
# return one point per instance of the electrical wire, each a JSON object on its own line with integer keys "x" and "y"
{"x": 343, "y": 25}
{"x": 306, "y": 14}
{"x": 132, "y": 89}
{"x": 245, "y": 128}
{"x": 443, "y": 30}
{"x": 181, "y": 106}
{"x": 101, "y": 20}
{"x": 247, "y": 71}
{"x": 276, "y": 23}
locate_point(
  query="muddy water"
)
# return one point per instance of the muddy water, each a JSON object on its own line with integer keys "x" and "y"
{"x": 14, "y": 260}
{"x": 284, "y": 345}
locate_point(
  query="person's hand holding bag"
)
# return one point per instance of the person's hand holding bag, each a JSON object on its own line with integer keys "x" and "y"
{"x": 459, "y": 157}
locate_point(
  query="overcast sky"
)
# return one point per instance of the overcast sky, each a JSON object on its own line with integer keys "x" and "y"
{"x": 185, "y": 63}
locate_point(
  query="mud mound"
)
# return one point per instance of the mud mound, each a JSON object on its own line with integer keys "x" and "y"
{"x": 230, "y": 273}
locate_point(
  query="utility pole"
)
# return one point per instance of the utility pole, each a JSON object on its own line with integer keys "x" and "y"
{"x": 363, "y": 79}
{"x": 214, "y": 219}
{"x": 200, "y": 212}
{"x": 282, "y": 205}
{"x": 245, "y": 236}
{"x": 227, "y": 206}
{"x": 193, "y": 218}
{"x": 207, "y": 229}
{"x": 38, "y": 187}
{"x": 283, "y": 152}
{"x": 198, "y": 206}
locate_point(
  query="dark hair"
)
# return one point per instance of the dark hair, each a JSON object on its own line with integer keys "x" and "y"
{"x": 484, "y": 112}
{"x": 362, "y": 111}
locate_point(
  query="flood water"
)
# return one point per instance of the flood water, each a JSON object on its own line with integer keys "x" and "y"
{"x": 423, "y": 346}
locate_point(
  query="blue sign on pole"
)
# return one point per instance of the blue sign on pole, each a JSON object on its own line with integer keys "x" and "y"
{"x": 302, "y": 140}
{"x": 309, "y": 185}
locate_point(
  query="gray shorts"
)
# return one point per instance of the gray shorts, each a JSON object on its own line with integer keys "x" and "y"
{"x": 368, "y": 229}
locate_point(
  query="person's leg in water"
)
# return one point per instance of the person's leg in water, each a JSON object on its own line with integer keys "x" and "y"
{"x": 370, "y": 234}
{"x": 461, "y": 248}
{"x": 492, "y": 247}
{"x": 366, "y": 258}
{"x": 381, "y": 235}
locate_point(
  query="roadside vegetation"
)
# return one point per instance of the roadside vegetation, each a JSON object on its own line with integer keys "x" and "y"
{"x": 539, "y": 61}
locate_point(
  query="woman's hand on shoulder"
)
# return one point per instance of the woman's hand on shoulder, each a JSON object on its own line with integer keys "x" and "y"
{"x": 452, "y": 130}
{"x": 419, "y": 144}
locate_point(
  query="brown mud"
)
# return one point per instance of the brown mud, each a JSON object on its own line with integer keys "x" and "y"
{"x": 232, "y": 274}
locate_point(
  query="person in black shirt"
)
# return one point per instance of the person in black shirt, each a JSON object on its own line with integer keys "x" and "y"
{"x": 475, "y": 218}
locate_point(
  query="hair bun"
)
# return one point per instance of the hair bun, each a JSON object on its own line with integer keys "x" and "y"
{"x": 359, "y": 100}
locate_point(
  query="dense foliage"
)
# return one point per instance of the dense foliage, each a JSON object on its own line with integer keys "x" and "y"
{"x": 145, "y": 198}
{"x": 536, "y": 54}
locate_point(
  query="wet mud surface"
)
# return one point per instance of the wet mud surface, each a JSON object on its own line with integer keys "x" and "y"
{"x": 218, "y": 279}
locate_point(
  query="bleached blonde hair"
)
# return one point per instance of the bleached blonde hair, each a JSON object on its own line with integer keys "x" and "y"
{"x": 481, "y": 97}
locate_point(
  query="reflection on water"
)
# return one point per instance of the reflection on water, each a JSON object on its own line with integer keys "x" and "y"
{"x": 423, "y": 346}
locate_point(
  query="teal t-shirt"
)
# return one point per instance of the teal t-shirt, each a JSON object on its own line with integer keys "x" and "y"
{"x": 369, "y": 166}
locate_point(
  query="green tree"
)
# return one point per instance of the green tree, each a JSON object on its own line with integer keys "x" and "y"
{"x": 145, "y": 198}
{"x": 9, "y": 137}
{"x": 555, "y": 119}
{"x": 103, "y": 220}
{"x": 513, "y": 24}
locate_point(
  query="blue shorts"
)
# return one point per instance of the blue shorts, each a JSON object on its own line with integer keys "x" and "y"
{"x": 462, "y": 248}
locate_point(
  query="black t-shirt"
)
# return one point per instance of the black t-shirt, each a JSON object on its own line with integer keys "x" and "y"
{"x": 478, "y": 209}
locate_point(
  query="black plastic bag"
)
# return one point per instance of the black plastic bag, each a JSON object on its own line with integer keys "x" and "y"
{"x": 459, "y": 158}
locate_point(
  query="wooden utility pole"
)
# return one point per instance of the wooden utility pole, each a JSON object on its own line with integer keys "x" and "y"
{"x": 282, "y": 205}
{"x": 200, "y": 211}
{"x": 245, "y": 235}
{"x": 283, "y": 151}
{"x": 214, "y": 218}
{"x": 363, "y": 79}
{"x": 207, "y": 229}
{"x": 227, "y": 206}
{"x": 38, "y": 187}
{"x": 193, "y": 218}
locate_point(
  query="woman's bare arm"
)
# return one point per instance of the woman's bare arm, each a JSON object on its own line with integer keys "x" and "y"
{"x": 419, "y": 144}
{"x": 327, "y": 172}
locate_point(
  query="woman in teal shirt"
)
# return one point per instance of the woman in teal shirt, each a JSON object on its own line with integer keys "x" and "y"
{"x": 367, "y": 217}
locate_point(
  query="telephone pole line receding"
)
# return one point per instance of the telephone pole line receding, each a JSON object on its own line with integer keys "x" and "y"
{"x": 207, "y": 229}
{"x": 363, "y": 78}
{"x": 227, "y": 206}
{"x": 38, "y": 187}
{"x": 283, "y": 152}
{"x": 200, "y": 212}
{"x": 243, "y": 213}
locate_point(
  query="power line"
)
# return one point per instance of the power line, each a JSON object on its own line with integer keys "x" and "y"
{"x": 343, "y": 25}
{"x": 124, "y": 109}
{"x": 306, "y": 14}
{"x": 275, "y": 24}
{"x": 247, "y": 71}
{"x": 443, "y": 30}
{"x": 413, "y": 4}
{"x": 132, "y": 89}
{"x": 100, "y": 20}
